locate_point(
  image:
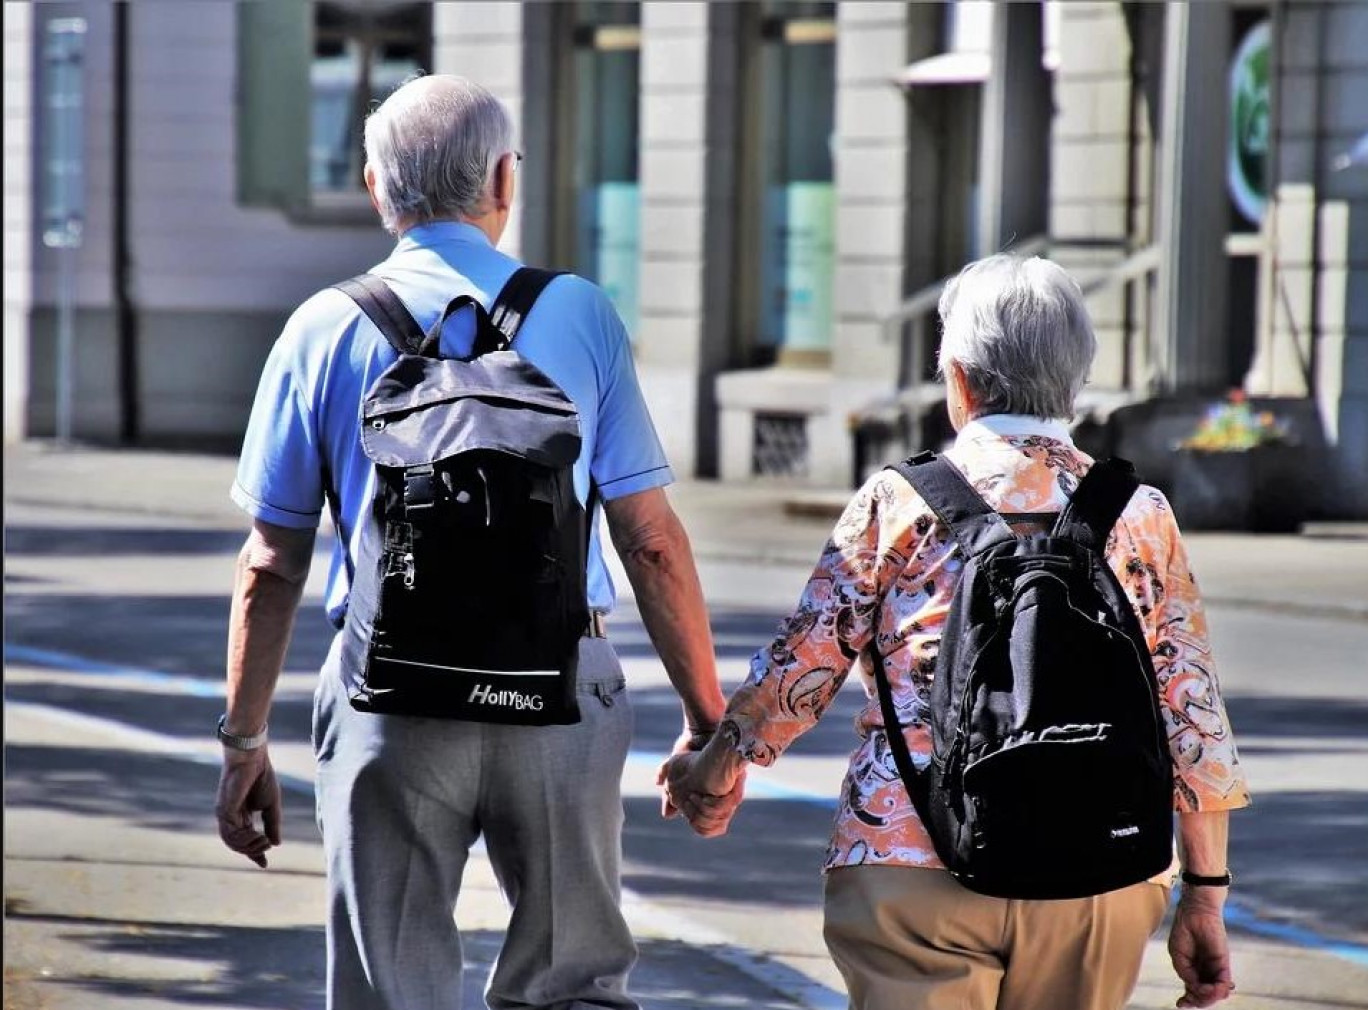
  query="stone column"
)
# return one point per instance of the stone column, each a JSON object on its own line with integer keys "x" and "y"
{"x": 1014, "y": 151}
{"x": 880, "y": 213}
{"x": 1192, "y": 286}
{"x": 682, "y": 226}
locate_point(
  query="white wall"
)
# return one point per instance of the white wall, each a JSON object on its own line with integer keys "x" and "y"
{"x": 18, "y": 213}
{"x": 195, "y": 246}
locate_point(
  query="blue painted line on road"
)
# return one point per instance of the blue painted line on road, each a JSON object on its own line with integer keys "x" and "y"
{"x": 53, "y": 659}
{"x": 1237, "y": 915}
{"x": 1243, "y": 918}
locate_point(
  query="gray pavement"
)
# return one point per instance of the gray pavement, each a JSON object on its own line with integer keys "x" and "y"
{"x": 118, "y": 894}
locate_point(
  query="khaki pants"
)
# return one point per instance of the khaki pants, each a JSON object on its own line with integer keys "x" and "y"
{"x": 915, "y": 939}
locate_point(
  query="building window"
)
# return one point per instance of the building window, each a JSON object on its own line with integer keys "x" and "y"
{"x": 798, "y": 215}
{"x": 361, "y": 53}
{"x": 779, "y": 445}
{"x": 607, "y": 227}
{"x": 308, "y": 73}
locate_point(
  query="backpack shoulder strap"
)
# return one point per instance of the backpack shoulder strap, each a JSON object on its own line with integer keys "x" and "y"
{"x": 515, "y": 301}
{"x": 975, "y": 526}
{"x": 383, "y": 307}
{"x": 1097, "y": 503}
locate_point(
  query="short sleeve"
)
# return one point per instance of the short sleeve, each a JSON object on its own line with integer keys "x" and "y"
{"x": 279, "y": 475}
{"x": 628, "y": 457}
{"x": 1206, "y": 766}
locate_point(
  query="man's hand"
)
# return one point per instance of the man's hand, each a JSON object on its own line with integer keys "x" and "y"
{"x": 247, "y": 785}
{"x": 689, "y": 741}
{"x": 706, "y": 787}
{"x": 1197, "y": 945}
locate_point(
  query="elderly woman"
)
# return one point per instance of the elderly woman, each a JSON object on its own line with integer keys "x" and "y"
{"x": 1016, "y": 350}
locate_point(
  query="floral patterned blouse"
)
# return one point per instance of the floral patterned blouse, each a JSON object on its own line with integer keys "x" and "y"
{"x": 889, "y": 550}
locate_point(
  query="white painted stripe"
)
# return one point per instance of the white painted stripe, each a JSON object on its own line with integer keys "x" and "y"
{"x": 468, "y": 669}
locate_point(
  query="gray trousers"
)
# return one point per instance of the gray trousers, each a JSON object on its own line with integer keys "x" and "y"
{"x": 400, "y": 802}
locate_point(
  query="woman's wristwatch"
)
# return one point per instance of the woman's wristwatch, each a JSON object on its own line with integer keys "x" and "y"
{"x": 1197, "y": 880}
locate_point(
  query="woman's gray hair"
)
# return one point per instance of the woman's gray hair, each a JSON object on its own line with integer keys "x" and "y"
{"x": 433, "y": 145}
{"x": 1019, "y": 329}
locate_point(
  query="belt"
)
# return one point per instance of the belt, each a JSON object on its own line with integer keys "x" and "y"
{"x": 597, "y": 626}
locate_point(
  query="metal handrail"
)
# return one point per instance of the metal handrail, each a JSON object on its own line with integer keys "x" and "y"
{"x": 927, "y": 298}
{"x": 1132, "y": 268}
{"x": 910, "y": 395}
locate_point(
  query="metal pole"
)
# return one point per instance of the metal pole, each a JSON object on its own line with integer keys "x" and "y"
{"x": 66, "y": 291}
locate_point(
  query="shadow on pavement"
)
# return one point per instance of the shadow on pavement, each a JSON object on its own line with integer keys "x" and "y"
{"x": 772, "y": 855}
{"x": 1296, "y": 717}
{"x": 168, "y": 634}
{"x": 189, "y": 716}
{"x": 274, "y": 969}
{"x": 284, "y": 969}
{"x": 147, "y": 790}
{"x": 112, "y": 541}
{"x": 1299, "y": 858}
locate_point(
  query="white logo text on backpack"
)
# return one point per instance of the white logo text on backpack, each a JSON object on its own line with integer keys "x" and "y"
{"x": 507, "y": 698}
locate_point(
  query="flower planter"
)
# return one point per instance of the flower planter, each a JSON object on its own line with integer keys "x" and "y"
{"x": 1259, "y": 490}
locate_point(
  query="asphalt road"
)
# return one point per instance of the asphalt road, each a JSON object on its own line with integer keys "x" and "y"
{"x": 114, "y": 631}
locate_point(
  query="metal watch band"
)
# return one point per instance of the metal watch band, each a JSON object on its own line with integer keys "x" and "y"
{"x": 1197, "y": 880}
{"x": 239, "y": 742}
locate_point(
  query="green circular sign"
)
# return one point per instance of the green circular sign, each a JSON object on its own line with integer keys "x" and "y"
{"x": 1247, "y": 150}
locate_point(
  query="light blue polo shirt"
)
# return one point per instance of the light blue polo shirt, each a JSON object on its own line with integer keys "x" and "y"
{"x": 307, "y": 413}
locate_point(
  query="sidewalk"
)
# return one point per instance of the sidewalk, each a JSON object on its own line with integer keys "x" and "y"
{"x": 1321, "y": 571}
{"x": 108, "y": 930}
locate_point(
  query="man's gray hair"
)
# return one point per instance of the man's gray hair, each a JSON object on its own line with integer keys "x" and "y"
{"x": 1019, "y": 329}
{"x": 434, "y": 144}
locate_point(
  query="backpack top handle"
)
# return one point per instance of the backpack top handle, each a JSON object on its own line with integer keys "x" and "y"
{"x": 495, "y": 330}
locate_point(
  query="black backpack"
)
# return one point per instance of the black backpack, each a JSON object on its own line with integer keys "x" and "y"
{"x": 1050, "y": 774}
{"x": 468, "y": 595}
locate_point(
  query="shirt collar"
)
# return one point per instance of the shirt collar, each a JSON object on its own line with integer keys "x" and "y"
{"x": 1001, "y": 426}
{"x": 437, "y": 233}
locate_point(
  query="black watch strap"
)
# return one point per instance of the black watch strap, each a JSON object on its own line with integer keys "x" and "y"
{"x": 1197, "y": 880}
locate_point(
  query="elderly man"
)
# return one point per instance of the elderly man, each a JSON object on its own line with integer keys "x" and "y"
{"x": 905, "y": 934}
{"x": 401, "y": 800}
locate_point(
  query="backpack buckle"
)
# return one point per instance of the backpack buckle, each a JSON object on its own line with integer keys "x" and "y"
{"x": 420, "y": 488}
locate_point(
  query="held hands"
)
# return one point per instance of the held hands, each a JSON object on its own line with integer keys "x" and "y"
{"x": 248, "y": 784}
{"x": 1197, "y": 946}
{"x": 704, "y": 783}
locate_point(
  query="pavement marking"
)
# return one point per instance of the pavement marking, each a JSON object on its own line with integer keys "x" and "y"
{"x": 1241, "y": 917}
{"x": 199, "y": 687}
{"x": 208, "y": 753}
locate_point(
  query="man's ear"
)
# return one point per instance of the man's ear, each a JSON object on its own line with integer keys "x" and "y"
{"x": 504, "y": 177}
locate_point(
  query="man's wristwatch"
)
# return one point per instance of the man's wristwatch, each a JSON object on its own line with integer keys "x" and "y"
{"x": 239, "y": 742}
{"x": 1197, "y": 880}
